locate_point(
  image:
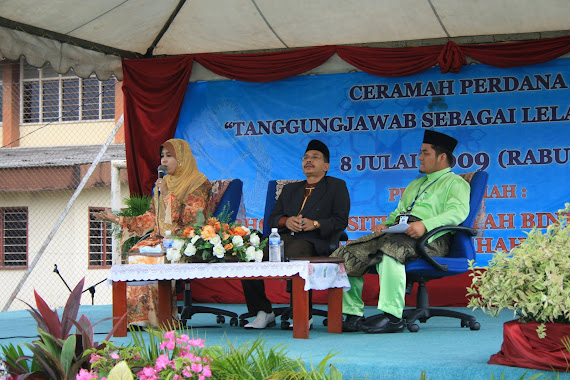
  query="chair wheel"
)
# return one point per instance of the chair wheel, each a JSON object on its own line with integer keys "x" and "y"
{"x": 220, "y": 319}
{"x": 285, "y": 325}
{"x": 325, "y": 322}
{"x": 464, "y": 323}
{"x": 242, "y": 322}
{"x": 234, "y": 321}
{"x": 474, "y": 325}
{"x": 413, "y": 328}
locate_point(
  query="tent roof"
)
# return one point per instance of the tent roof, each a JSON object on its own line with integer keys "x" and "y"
{"x": 95, "y": 35}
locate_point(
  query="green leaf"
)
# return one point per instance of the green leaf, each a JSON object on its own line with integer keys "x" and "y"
{"x": 120, "y": 372}
{"x": 68, "y": 353}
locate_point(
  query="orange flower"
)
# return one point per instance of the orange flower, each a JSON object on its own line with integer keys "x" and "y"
{"x": 189, "y": 232}
{"x": 226, "y": 236}
{"x": 208, "y": 232}
{"x": 225, "y": 226}
{"x": 228, "y": 246}
{"x": 239, "y": 231}
{"x": 214, "y": 222}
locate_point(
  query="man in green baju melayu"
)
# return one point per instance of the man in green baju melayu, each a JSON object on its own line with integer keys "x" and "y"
{"x": 437, "y": 199}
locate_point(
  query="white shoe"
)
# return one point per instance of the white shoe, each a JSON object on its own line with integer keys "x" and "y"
{"x": 262, "y": 321}
{"x": 310, "y": 324}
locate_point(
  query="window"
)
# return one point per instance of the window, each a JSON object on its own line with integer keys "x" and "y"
{"x": 47, "y": 96}
{"x": 14, "y": 237}
{"x": 100, "y": 241}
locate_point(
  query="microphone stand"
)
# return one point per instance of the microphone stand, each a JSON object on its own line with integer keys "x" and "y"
{"x": 90, "y": 289}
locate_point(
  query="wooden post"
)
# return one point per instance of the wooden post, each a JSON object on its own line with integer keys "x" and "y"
{"x": 120, "y": 307}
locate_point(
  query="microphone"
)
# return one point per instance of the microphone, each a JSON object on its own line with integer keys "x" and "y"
{"x": 161, "y": 172}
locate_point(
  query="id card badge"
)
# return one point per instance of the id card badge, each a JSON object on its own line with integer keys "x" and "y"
{"x": 404, "y": 219}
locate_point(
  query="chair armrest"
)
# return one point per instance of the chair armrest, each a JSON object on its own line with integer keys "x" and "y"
{"x": 421, "y": 243}
{"x": 336, "y": 237}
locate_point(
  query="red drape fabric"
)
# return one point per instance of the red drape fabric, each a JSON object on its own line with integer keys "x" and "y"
{"x": 154, "y": 88}
{"x": 265, "y": 67}
{"x": 388, "y": 62}
{"x": 518, "y": 53}
{"x": 523, "y": 348}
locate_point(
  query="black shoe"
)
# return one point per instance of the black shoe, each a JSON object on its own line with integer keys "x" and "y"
{"x": 352, "y": 323}
{"x": 382, "y": 325}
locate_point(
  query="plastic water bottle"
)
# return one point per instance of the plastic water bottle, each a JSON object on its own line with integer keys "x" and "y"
{"x": 274, "y": 245}
{"x": 167, "y": 241}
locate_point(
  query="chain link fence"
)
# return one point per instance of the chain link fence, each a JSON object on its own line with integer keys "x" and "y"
{"x": 61, "y": 142}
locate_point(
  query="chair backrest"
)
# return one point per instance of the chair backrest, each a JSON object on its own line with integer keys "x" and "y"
{"x": 461, "y": 244}
{"x": 224, "y": 191}
{"x": 274, "y": 188}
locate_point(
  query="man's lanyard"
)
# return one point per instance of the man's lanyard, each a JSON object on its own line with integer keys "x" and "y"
{"x": 409, "y": 208}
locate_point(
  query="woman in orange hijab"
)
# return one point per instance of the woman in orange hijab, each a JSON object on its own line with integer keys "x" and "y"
{"x": 176, "y": 200}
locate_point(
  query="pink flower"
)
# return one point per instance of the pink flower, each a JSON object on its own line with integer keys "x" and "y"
{"x": 147, "y": 373}
{"x": 183, "y": 339}
{"x": 86, "y": 375}
{"x": 197, "y": 367}
{"x": 207, "y": 371}
{"x": 94, "y": 358}
{"x": 161, "y": 363}
{"x": 168, "y": 344}
{"x": 187, "y": 372}
{"x": 170, "y": 335}
{"x": 197, "y": 342}
{"x": 115, "y": 356}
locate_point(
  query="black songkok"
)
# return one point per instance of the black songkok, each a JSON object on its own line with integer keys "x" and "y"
{"x": 320, "y": 147}
{"x": 439, "y": 139}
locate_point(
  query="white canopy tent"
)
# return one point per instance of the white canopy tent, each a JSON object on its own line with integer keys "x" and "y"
{"x": 93, "y": 36}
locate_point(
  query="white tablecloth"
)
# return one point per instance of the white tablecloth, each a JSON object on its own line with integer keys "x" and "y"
{"x": 317, "y": 276}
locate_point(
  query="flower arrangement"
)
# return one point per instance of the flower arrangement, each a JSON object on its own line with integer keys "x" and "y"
{"x": 179, "y": 357}
{"x": 216, "y": 241}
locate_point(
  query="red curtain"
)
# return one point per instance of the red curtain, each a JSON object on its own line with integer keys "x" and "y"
{"x": 154, "y": 88}
{"x": 265, "y": 67}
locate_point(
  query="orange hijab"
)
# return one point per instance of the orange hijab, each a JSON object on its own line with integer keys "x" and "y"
{"x": 186, "y": 177}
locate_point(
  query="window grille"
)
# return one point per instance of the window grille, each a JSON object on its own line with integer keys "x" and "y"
{"x": 14, "y": 237}
{"x": 100, "y": 241}
{"x": 47, "y": 96}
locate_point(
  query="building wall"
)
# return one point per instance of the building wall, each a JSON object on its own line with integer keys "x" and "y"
{"x": 68, "y": 249}
{"x": 83, "y": 133}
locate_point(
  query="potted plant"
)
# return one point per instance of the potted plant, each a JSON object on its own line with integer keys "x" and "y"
{"x": 533, "y": 280}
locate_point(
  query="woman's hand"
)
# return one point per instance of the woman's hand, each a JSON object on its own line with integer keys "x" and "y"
{"x": 107, "y": 216}
{"x": 162, "y": 186}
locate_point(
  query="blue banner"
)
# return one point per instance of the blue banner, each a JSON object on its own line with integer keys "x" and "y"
{"x": 513, "y": 123}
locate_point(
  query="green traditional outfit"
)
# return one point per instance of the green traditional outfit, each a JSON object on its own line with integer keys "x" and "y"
{"x": 437, "y": 199}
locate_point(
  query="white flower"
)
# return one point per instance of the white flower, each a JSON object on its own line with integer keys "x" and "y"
{"x": 219, "y": 251}
{"x": 177, "y": 243}
{"x": 237, "y": 241}
{"x": 215, "y": 240}
{"x": 246, "y": 229}
{"x": 190, "y": 250}
{"x": 195, "y": 239}
{"x": 258, "y": 256}
{"x": 173, "y": 255}
{"x": 254, "y": 239}
{"x": 250, "y": 253}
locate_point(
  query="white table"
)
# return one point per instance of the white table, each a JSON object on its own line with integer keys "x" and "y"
{"x": 304, "y": 274}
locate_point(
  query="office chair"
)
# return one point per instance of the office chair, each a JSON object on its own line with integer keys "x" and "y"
{"x": 224, "y": 192}
{"x": 461, "y": 250}
{"x": 274, "y": 188}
